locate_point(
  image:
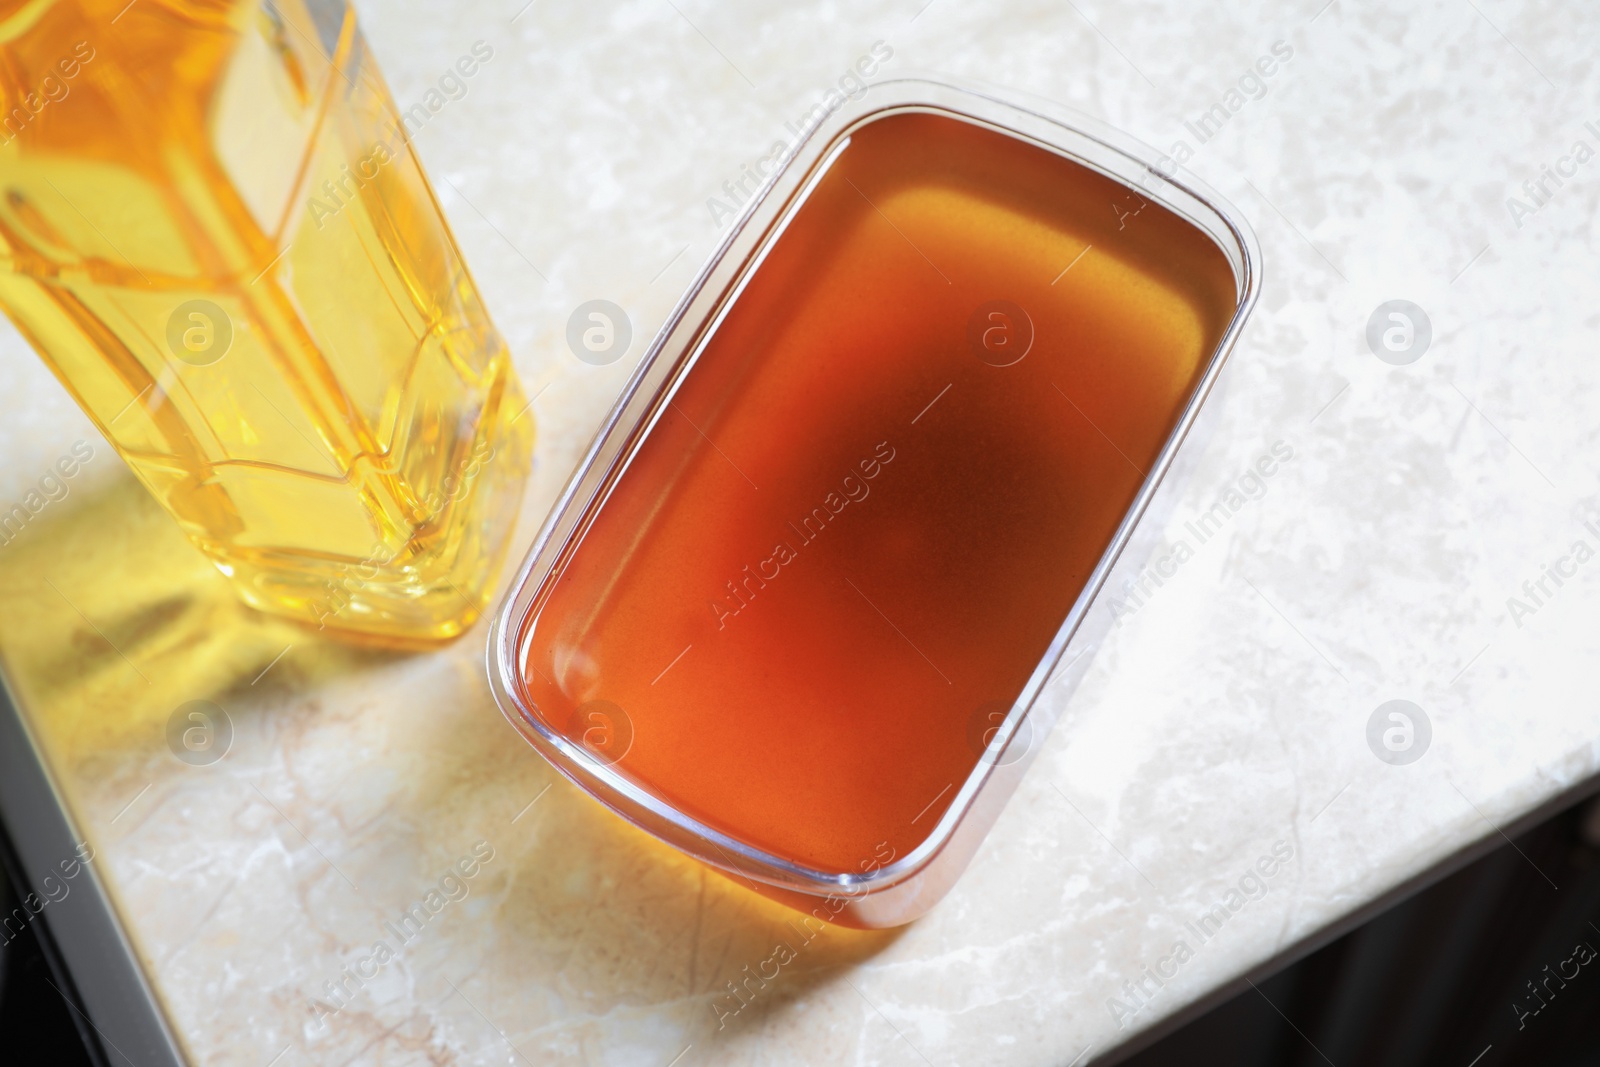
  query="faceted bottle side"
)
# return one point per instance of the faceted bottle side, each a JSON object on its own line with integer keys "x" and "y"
{"x": 217, "y": 235}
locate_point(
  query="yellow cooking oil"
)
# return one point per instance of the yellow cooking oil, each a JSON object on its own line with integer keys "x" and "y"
{"x": 215, "y": 231}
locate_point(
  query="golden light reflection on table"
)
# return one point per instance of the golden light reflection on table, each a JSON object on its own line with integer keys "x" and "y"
{"x": 354, "y": 778}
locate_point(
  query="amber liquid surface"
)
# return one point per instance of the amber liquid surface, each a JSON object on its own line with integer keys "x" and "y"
{"x": 214, "y": 230}
{"x": 856, "y": 528}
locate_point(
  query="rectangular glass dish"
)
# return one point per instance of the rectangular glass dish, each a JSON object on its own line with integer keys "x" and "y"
{"x": 792, "y": 613}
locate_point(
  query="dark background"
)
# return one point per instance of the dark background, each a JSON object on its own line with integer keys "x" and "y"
{"x": 1432, "y": 981}
{"x": 36, "y": 1025}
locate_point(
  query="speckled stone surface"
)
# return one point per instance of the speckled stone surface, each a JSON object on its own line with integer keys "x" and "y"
{"x": 1223, "y": 715}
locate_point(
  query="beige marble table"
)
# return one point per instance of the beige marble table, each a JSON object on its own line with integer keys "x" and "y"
{"x": 1217, "y": 718}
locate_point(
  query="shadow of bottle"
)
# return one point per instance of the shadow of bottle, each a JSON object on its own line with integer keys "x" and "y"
{"x": 110, "y": 623}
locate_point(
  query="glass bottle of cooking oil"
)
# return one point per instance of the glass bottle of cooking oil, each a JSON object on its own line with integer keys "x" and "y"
{"x": 213, "y": 228}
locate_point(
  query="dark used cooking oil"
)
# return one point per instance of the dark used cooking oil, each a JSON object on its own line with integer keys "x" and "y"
{"x": 854, "y": 529}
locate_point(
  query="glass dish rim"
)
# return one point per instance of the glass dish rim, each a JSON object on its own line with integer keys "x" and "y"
{"x": 683, "y": 335}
